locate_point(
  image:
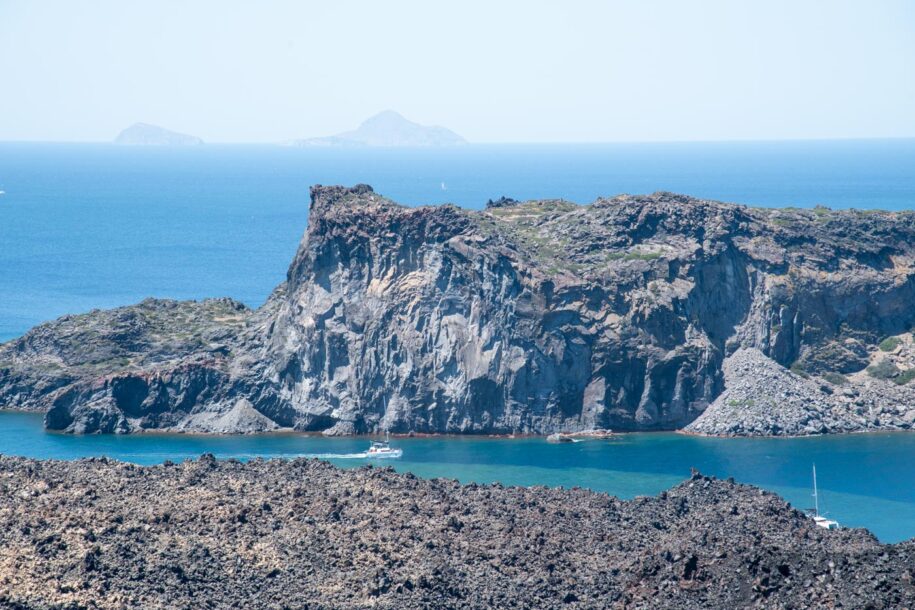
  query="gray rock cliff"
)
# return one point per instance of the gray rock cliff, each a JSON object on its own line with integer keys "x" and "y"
{"x": 529, "y": 317}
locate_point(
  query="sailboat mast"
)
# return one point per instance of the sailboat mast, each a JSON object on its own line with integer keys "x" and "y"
{"x": 816, "y": 498}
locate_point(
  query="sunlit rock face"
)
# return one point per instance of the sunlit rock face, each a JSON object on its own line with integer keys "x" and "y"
{"x": 528, "y": 317}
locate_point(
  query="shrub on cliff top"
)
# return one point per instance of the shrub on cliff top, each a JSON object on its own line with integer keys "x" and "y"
{"x": 889, "y": 344}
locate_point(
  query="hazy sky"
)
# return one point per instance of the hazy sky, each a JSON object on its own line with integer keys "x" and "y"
{"x": 527, "y": 71}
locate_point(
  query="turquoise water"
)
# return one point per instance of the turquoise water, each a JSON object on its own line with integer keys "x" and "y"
{"x": 84, "y": 226}
{"x": 865, "y": 480}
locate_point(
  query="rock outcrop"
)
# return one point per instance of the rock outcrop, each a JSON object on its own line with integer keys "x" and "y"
{"x": 302, "y": 533}
{"x": 532, "y": 317}
{"x": 762, "y": 398}
{"x": 106, "y": 346}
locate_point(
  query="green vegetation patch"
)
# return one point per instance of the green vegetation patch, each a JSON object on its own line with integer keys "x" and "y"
{"x": 904, "y": 377}
{"x": 642, "y": 256}
{"x": 836, "y": 378}
{"x": 889, "y": 344}
{"x": 531, "y": 226}
{"x": 532, "y": 210}
{"x": 884, "y": 369}
{"x": 633, "y": 256}
{"x": 741, "y": 402}
{"x": 797, "y": 367}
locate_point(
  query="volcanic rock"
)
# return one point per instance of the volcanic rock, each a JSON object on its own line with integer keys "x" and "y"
{"x": 526, "y": 317}
{"x": 303, "y": 534}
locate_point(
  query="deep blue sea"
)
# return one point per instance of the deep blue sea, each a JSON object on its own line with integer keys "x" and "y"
{"x": 84, "y": 226}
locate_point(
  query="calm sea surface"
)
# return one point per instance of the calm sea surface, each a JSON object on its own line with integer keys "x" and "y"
{"x": 865, "y": 480}
{"x": 84, "y": 226}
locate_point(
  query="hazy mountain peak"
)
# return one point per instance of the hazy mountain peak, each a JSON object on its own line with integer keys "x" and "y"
{"x": 144, "y": 134}
{"x": 386, "y": 115}
{"x": 388, "y": 128}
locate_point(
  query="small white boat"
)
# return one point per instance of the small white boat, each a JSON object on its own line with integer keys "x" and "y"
{"x": 818, "y": 519}
{"x": 596, "y": 434}
{"x": 559, "y": 437}
{"x": 827, "y": 524}
{"x": 383, "y": 450}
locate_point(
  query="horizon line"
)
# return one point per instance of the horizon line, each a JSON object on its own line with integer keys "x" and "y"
{"x": 284, "y": 143}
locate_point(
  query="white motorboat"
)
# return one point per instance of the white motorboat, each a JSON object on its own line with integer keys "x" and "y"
{"x": 383, "y": 450}
{"x": 818, "y": 519}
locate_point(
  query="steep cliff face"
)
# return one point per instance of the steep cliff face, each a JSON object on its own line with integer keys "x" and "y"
{"x": 436, "y": 319}
{"x": 529, "y": 317}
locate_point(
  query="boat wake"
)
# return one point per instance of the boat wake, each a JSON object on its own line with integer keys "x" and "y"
{"x": 292, "y": 456}
{"x": 240, "y": 456}
{"x": 335, "y": 456}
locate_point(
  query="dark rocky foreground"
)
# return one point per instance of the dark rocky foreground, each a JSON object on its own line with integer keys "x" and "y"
{"x": 304, "y": 534}
{"x": 532, "y": 317}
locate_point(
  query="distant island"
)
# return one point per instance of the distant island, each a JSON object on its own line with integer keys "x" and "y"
{"x": 144, "y": 134}
{"x": 388, "y": 128}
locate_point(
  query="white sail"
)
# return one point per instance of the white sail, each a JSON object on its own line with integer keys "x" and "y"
{"x": 818, "y": 519}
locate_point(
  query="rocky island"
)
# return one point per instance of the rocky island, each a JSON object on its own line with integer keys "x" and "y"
{"x": 387, "y": 129}
{"x": 304, "y": 534}
{"x": 144, "y": 134}
{"x": 655, "y": 312}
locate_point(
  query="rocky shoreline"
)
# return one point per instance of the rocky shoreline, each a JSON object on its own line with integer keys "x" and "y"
{"x": 276, "y": 534}
{"x": 633, "y": 313}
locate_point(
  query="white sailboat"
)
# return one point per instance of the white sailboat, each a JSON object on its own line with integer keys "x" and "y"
{"x": 820, "y": 520}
